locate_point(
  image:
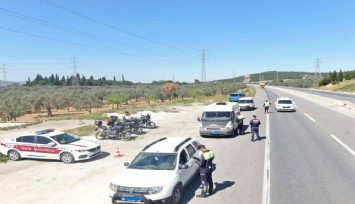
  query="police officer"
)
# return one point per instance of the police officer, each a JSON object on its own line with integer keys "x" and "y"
{"x": 205, "y": 164}
{"x": 240, "y": 123}
{"x": 254, "y": 126}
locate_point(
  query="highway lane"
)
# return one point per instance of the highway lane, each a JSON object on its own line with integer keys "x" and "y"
{"x": 307, "y": 164}
{"x": 239, "y": 163}
{"x": 334, "y": 95}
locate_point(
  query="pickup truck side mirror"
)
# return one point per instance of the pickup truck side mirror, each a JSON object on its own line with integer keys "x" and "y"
{"x": 126, "y": 164}
{"x": 183, "y": 166}
{"x": 198, "y": 119}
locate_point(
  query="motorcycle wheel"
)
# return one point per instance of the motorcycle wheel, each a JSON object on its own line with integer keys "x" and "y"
{"x": 99, "y": 135}
{"x": 126, "y": 136}
{"x": 139, "y": 131}
{"x": 151, "y": 124}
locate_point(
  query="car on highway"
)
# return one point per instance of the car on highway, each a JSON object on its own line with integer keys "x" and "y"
{"x": 284, "y": 104}
{"x": 50, "y": 144}
{"x": 158, "y": 173}
{"x": 246, "y": 103}
{"x": 234, "y": 97}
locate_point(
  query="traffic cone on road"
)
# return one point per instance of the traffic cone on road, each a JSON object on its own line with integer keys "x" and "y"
{"x": 118, "y": 154}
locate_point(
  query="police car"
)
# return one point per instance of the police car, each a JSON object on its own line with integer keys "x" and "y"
{"x": 50, "y": 144}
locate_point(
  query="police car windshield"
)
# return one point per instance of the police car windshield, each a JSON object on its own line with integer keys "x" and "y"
{"x": 65, "y": 138}
{"x": 216, "y": 116}
{"x": 154, "y": 161}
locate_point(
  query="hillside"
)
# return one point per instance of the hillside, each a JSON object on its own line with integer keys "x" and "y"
{"x": 344, "y": 86}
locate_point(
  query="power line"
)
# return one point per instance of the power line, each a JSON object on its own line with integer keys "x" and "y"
{"x": 128, "y": 22}
{"x": 106, "y": 24}
{"x": 203, "y": 73}
{"x": 66, "y": 29}
{"x": 317, "y": 71}
{"x": 3, "y": 75}
{"x": 74, "y": 82}
{"x": 67, "y": 42}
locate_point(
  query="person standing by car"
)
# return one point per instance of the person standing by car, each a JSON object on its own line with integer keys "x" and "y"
{"x": 240, "y": 122}
{"x": 206, "y": 168}
{"x": 254, "y": 126}
{"x": 266, "y": 106}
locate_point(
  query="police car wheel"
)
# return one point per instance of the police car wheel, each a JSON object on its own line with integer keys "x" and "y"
{"x": 14, "y": 155}
{"x": 176, "y": 195}
{"x": 67, "y": 158}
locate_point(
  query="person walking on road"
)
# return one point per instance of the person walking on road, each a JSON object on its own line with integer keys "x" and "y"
{"x": 266, "y": 106}
{"x": 206, "y": 168}
{"x": 254, "y": 126}
{"x": 240, "y": 123}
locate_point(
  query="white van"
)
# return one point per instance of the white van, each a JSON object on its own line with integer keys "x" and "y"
{"x": 219, "y": 119}
{"x": 246, "y": 103}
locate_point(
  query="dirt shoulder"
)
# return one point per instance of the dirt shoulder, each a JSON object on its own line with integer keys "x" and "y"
{"x": 38, "y": 181}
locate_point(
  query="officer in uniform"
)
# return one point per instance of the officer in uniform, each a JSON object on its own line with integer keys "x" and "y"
{"x": 254, "y": 126}
{"x": 205, "y": 164}
{"x": 240, "y": 123}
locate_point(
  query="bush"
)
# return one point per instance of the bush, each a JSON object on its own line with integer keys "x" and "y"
{"x": 3, "y": 158}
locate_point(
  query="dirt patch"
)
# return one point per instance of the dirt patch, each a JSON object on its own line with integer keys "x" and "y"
{"x": 42, "y": 115}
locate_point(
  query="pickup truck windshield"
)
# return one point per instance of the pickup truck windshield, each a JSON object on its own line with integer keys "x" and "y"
{"x": 216, "y": 116}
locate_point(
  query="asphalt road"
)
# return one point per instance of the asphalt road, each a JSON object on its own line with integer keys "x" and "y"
{"x": 330, "y": 94}
{"x": 308, "y": 162}
{"x": 306, "y": 157}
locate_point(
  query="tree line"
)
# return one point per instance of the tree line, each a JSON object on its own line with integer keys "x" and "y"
{"x": 55, "y": 80}
{"x": 336, "y": 77}
{"x": 16, "y": 101}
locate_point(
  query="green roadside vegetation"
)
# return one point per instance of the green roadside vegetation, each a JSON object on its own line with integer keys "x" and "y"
{"x": 82, "y": 131}
{"x": 166, "y": 107}
{"x": 3, "y": 158}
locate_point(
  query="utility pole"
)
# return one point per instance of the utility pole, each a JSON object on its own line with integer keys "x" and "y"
{"x": 277, "y": 77}
{"x": 203, "y": 74}
{"x": 74, "y": 82}
{"x": 3, "y": 75}
{"x": 317, "y": 71}
{"x": 173, "y": 77}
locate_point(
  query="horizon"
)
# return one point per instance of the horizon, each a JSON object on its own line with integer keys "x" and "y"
{"x": 163, "y": 40}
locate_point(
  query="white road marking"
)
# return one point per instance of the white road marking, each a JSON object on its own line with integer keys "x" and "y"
{"x": 344, "y": 145}
{"x": 310, "y": 117}
{"x": 267, "y": 172}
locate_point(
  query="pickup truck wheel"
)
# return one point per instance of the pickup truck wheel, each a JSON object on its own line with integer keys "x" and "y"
{"x": 176, "y": 195}
{"x": 14, "y": 155}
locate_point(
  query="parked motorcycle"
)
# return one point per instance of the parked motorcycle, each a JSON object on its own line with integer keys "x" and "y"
{"x": 133, "y": 125}
{"x": 147, "y": 122}
{"x": 115, "y": 130}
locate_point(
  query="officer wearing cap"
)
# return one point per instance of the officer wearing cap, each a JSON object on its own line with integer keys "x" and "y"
{"x": 205, "y": 164}
{"x": 254, "y": 126}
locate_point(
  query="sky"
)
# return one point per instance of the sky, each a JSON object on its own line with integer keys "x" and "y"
{"x": 151, "y": 40}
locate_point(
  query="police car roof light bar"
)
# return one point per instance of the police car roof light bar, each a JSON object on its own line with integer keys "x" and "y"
{"x": 40, "y": 132}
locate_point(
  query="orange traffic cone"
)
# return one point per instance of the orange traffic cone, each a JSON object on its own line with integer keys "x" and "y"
{"x": 118, "y": 154}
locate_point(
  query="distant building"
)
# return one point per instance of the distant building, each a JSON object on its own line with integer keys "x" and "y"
{"x": 247, "y": 79}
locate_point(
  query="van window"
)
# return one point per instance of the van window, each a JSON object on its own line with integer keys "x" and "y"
{"x": 217, "y": 115}
{"x": 245, "y": 101}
